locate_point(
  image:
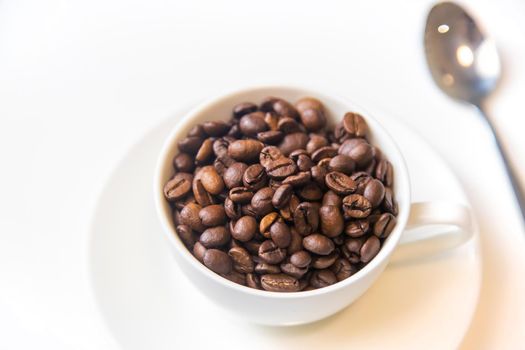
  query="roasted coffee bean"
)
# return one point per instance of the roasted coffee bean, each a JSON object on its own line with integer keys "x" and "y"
{"x": 266, "y": 222}
{"x": 247, "y": 209}
{"x": 190, "y": 144}
{"x": 304, "y": 163}
{"x": 282, "y": 196}
{"x": 384, "y": 225}
{"x": 204, "y": 153}
{"x": 370, "y": 249}
{"x": 217, "y": 261}
{"x": 313, "y": 119}
{"x": 374, "y": 192}
{"x": 308, "y": 103}
{"x": 215, "y": 237}
{"x": 384, "y": 172}
{"x": 352, "y": 249}
{"x": 197, "y": 131}
{"x": 280, "y": 234}
{"x": 355, "y": 124}
{"x": 291, "y": 142}
{"x": 244, "y": 229}
{"x": 310, "y": 192}
{"x": 178, "y": 186}
{"x": 296, "y": 242}
{"x": 202, "y": 196}
{"x": 245, "y": 150}
{"x": 211, "y": 180}
{"x": 242, "y": 261}
{"x": 332, "y": 221}
{"x": 183, "y": 163}
{"x": 262, "y": 201}
{"x": 369, "y": 169}
{"x": 318, "y": 244}
{"x": 279, "y": 106}
{"x": 274, "y": 184}
{"x": 177, "y": 219}
{"x": 269, "y": 154}
{"x": 356, "y": 206}
{"x": 279, "y": 283}
{"x": 322, "y": 278}
{"x": 271, "y": 137}
{"x": 233, "y": 175}
{"x": 264, "y": 268}
{"x": 324, "y": 262}
{"x": 252, "y": 124}
{"x": 281, "y": 168}
{"x": 342, "y": 163}
{"x": 244, "y": 108}
{"x": 186, "y": 235}
{"x": 253, "y": 247}
{"x": 340, "y": 183}
{"x": 361, "y": 179}
{"x": 343, "y": 269}
{"x": 316, "y": 142}
{"x": 301, "y": 259}
{"x": 292, "y": 270}
{"x": 232, "y": 210}
{"x": 212, "y": 215}
{"x": 332, "y": 198}
{"x": 271, "y": 253}
{"x": 235, "y": 277}
{"x": 254, "y": 177}
{"x": 298, "y": 180}
{"x": 216, "y": 128}
{"x": 199, "y": 250}
{"x": 190, "y": 217}
{"x": 220, "y": 146}
{"x": 319, "y": 174}
{"x": 288, "y": 125}
{"x": 241, "y": 195}
{"x": 357, "y": 228}
{"x": 324, "y": 152}
{"x": 253, "y": 281}
{"x": 306, "y": 218}
{"x": 389, "y": 202}
{"x": 360, "y": 152}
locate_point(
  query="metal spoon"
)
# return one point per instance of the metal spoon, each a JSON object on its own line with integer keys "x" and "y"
{"x": 465, "y": 65}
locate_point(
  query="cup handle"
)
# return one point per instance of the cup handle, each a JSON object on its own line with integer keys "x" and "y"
{"x": 434, "y": 227}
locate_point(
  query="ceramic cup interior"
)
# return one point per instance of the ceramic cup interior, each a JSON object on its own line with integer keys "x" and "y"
{"x": 220, "y": 108}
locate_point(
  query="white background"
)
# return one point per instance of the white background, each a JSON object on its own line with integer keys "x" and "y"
{"x": 80, "y": 81}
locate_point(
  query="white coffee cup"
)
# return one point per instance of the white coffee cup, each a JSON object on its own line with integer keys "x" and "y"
{"x": 271, "y": 308}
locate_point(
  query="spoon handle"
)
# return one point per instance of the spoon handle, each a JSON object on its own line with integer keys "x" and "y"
{"x": 511, "y": 172}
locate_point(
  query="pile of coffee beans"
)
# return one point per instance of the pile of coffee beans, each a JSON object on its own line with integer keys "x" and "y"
{"x": 273, "y": 199}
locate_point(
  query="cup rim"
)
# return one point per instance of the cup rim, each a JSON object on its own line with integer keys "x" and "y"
{"x": 385, "y": 251}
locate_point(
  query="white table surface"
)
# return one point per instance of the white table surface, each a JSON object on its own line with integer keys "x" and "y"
{"x": 81, "y": 81}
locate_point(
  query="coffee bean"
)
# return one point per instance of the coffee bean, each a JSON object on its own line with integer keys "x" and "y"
{"x": 352, "y": 249}
{"x": 254, "y": 177}
{"x": 190, "y": 217}
{"x": 370, "y": 249}
{"x": 245, "y": 150}
{"x": 282, "y": 196}
{"x": 242, "y": 261}
{"x": 266, "y": 222}
{"x": 244, "y": 229}
{"x": 253, "y": 281}
{"x": 291, "y": 142}
{"x": 217, "y": 261}
{"x": 308, "y": 103}
{"x": 253, "y": 247}
{"x": 316, "y": 142}
{"x": 279, "y": 106}
{"x": 235, "y": 277}
{"x": 301, "y": 258}
{"x": 214, "y": 237}
{"x": 269, "y": 154}
{"x": 199, "y": 250}
{"x": 324, "y": 262}
{"x": 262, "y": 201}
{"x": 298, "y": 180}
{"x": 264, "y": 268}
{"x": 343, "y": 269}
{"x": 310, "y": 192}
{"x": 332, "y": 221}
{"x": 204, "y": 153}
{"x": 212, "y": 215}
{"x": 332, "y": 198}
{"x": 216, "y": 128}
{"x": 374, "y": 192}
{"x": 292, "y": 270}
{"x": 389, "y": 202}
{"x": 322, "y": 278}
{"x": 252, "y": 124}
{"x": 355, "y": 124}
{"x": 313, "y": 119}
{"x": 232, "y": 210}
{"x": 318, "y": 244}
{"x": 233, "y": 175}
{"x": 186, "y": 235}
{"x": 272, "y": 137}
{"x": 319, "y": 174}
{"x": 211, "y": 180}
{"x": 357, "y": 228}
{"x": 306, "y": 218}
{"x": 271, "y": 253}
{"x": 272, "y": 120}
{"x": 384, "y": 225}
{"x": 183, "y": 163}
{"x": 279, "y": 283}
{"x": 281, "y": 168}
{"x": 340, "y": 183}
{"x": 247, "y": 209}
{"x": 361, "y": 179}
{"x": 324, "y": 152}
{"x": 359, "y": 151}
{"x": 356, "y": 206}
{"x": 296, "y": 242}
{"x": 384, "y": 172}
{"x": 190, "y": 144}
{"x": 178, "y": 186}
{"x": 197, "y": 131}
{"x": 342, "y": 163}
{"x": 288, "y": 125}
{"x": 243, "y": 108}
{"x": 280, "y": 234}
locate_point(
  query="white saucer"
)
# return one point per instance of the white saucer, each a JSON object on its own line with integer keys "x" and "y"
{"x": 148, "y": 304}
